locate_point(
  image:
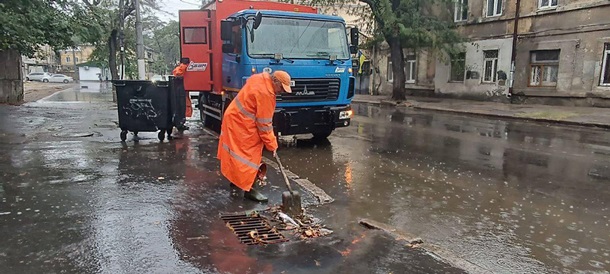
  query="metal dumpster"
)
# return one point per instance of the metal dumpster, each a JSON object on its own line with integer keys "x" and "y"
{"x": 144, "y": 106}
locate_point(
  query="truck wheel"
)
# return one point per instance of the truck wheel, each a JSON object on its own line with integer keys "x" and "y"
{"x": 321, "y": 135}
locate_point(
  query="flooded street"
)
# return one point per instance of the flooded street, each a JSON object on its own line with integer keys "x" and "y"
{"x": 512, "y": 196}
{"x": 503, "y": 196}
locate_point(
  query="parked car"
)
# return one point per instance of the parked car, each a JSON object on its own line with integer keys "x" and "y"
{"x": 37, "y": 76}
{"x": 57, "y": 78}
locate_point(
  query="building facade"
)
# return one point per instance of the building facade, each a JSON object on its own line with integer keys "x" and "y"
{"x": 562, "y": 54}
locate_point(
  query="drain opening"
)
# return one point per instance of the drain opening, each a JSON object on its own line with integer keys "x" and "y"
{"x": 252, "y": 229}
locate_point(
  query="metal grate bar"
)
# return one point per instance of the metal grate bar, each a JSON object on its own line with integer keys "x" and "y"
{"x": 246, "y": 226}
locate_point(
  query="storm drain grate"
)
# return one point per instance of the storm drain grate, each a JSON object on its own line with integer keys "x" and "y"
{"x": 252, "y": 229}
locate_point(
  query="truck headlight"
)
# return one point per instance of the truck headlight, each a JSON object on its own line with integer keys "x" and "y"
{"x": 346, "y": 114}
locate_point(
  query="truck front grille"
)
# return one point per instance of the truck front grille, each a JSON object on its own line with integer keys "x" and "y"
{"x": 326, "y": 89}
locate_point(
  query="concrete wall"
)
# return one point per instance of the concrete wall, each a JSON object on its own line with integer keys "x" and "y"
{"x": 11, "y": 77}
{"x": 90, "y": 74}
{"x": 474, "y": 87}
{"x": 425, "y": 70}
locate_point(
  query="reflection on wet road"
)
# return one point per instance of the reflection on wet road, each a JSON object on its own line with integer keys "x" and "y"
{"x": 508, "y": 195}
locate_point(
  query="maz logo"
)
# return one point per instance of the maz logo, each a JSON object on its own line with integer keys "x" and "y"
{"x": 304, "y": 92}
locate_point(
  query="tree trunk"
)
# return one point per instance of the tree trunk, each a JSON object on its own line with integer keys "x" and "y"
{"x": 112, "y": 48}
{"x": 398, "y": 64}
{"x": 11, "y": 77}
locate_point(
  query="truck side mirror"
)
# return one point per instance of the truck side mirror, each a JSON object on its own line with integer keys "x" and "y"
{"x": 353, "y": 49}
{"x": 258, "y": 18}
{"x": 226, "y": 30}
{"x": 354, "y": 35}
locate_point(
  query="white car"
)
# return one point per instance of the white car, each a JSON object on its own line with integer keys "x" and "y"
{"x": 57, "y": 78}
{"x": 37, "y": 76}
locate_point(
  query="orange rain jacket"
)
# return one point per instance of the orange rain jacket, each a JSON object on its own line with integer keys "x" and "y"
{"x": 179, "y": 72}
{"x": 246, "y": 128}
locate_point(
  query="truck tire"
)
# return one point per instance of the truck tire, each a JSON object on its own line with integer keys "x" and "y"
{"x": 203, "y": 99}
{"x": 322, "y": 135}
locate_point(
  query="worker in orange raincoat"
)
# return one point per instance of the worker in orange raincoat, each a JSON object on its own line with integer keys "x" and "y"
{"x": 247, "y": 128}
{"x": 179, "y": 72}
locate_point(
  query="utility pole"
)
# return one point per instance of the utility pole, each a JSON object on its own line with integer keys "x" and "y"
{"x": 140, "y": 43}
{"x": 514, "y": 52}
{"x": 76, "y": 78}
{"x": 122, "y": 37}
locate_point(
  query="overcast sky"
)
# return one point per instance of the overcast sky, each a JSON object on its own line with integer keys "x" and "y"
{"x": 171, "y": 8}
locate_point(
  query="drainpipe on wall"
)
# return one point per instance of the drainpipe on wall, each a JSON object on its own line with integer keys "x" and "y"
{"x": 513, "y": 56}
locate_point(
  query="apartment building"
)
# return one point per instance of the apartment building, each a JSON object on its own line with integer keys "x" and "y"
{"x": 562, "y": 54}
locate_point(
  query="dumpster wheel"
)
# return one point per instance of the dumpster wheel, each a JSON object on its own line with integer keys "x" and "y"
{"x": 161, "y": 135}
{"x": 123, "y": 135}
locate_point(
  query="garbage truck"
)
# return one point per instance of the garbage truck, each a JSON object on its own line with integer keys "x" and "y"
{"x": 227, "y": 41}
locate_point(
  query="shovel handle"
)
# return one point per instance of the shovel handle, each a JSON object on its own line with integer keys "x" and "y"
{"x": 279, "y": 163}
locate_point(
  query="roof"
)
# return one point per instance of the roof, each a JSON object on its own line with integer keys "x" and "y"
{"x": 290, "y": 14}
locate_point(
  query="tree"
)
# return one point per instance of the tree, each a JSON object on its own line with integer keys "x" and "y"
{"x": 164, "y": 38}
{"x": 25, "y": 25}
{"x": 106, "y": 20}
{"x": 413, "y": 24}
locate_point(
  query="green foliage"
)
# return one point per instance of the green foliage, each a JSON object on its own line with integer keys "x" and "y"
{"x": 164, "y": 38}
{"x": 412, "y": 24}
{"x": 27, "y": 24}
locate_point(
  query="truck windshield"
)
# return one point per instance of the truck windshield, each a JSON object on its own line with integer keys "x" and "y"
{"x": 297, "y": 38}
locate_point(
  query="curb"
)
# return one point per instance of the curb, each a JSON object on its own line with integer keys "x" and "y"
{"x": 563, "y": 122}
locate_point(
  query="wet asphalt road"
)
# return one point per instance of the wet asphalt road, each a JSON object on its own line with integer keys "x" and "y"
{"x": 508, "y": 196}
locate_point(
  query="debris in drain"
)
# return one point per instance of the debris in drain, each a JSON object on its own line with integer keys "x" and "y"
{"x": 264, "y": 227}
{"x": 252, "y": 229}
{"x": 304, "y": 226}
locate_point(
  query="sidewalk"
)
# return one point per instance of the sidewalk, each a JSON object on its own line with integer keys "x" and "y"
{"x": 581, "y": 116}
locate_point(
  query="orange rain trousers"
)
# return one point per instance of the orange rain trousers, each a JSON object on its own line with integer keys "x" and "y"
{"x": 246, "y": 128}
{"x": 179, "y": 72}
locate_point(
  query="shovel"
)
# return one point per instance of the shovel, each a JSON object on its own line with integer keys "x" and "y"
{"x": 291, "y": 200}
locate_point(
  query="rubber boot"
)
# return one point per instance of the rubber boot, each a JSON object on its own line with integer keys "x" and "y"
{"x": 235, "y": 191}
{"x": 256, "y": 196}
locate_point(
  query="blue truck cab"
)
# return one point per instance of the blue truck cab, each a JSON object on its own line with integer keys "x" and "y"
{"x": 313, "y": 48}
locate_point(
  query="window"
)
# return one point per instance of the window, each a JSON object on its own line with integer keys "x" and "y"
{"x": 410, "y": 69}
{"x": 195, "y": 35}
{"x": 75, "y": 59}
{"x": 547, "y": 4}
{"x": 460, "y": 12}
{"x": 494, "y": 8}
{"x": 390, "y": 72}
{"x": 605, "y": 79}
{"x": 490, "y": 66}
{"x": 297, "y": 38}
{"x": 544, "y": 67}
{"x": 68, "y": 59}
{"x": 458, "y": 67}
